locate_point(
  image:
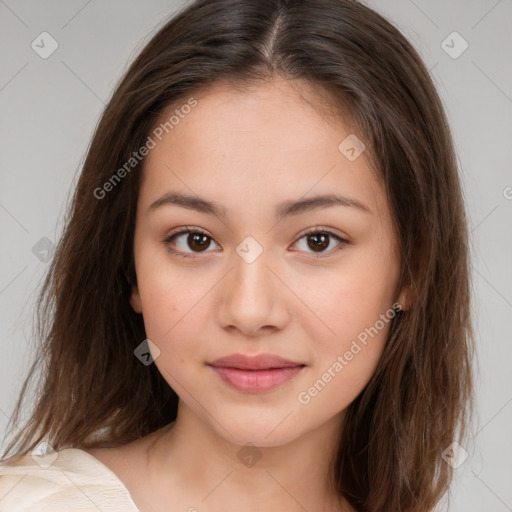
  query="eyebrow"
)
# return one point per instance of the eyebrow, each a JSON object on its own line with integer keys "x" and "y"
{"x": 284, "y": 209}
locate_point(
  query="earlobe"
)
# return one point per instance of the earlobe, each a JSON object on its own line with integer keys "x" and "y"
{"x": 135, "y": 301}
{"x": 404, "y": 299}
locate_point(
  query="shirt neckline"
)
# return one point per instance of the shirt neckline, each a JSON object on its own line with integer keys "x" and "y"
{"x": 113, "y": 476}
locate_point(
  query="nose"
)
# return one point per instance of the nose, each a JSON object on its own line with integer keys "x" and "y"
{"x": 254, "y": 299}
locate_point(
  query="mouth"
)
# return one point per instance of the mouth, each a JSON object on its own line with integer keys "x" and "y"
{"x": 255, "y": 374}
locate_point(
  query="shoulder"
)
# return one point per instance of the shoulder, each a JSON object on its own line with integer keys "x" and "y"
{"x": 69, "y": 479}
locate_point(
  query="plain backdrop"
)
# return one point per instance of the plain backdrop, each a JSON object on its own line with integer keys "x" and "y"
{"x": 51, "y": 105}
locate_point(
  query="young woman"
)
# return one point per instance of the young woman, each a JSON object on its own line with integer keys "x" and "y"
{"x": 261, "y": 298}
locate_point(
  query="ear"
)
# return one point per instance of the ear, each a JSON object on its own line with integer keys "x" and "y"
{"x": 135, "y": 300}
{"x": 404, "y": 299}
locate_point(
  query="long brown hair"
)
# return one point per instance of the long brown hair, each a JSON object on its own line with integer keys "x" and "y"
{"x": 93, "y": 390}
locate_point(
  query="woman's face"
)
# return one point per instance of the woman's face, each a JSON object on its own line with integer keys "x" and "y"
{"x": 248, "y": 279}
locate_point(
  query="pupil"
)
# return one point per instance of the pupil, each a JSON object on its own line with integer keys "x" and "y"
{"x": 323, "y": 243}
{"x": 200, "y": 240}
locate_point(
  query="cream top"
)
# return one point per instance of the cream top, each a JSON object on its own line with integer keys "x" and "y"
{"x": 69, "y": 479}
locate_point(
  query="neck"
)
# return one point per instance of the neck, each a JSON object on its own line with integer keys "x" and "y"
{"x": 194, "y": 465}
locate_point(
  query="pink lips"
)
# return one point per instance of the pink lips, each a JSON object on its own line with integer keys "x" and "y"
{"x": 255, "y": 373}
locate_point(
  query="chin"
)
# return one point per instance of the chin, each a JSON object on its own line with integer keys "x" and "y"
{"x": 259, "y": 431}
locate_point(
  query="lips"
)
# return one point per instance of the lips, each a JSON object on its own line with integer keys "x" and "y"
{"x": 253, "y": 374}
{"x": 259, "y": 362}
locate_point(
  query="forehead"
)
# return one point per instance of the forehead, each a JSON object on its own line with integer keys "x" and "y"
{"x": 274, "y": 139}
{"x": 279, "y": 112}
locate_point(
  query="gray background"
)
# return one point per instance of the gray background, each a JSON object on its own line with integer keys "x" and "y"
{"x": 50, "y": 107}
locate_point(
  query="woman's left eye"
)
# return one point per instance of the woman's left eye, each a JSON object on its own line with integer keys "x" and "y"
{"x": 317, "y": 239}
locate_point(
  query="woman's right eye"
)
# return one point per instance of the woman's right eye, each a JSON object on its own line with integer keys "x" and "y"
{"x": 183, "y": 240}
{"x": 188, "y": 239}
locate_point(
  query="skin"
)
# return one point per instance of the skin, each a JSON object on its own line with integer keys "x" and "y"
{"x": 249, "y": 151}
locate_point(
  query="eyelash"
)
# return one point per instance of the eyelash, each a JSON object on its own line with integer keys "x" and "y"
{"x": 312, "y": 231}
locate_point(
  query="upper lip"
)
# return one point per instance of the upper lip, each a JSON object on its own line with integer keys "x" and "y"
{"x": 258, "y": 362}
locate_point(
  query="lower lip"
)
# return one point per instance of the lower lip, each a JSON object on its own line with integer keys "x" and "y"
{"x": 254, "y": 381}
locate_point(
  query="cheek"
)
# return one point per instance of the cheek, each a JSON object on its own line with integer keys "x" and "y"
{"x": 169, "y": 293}
{"x": 346, "y": 359}
{"x": 172, "y": 324}
{"x": 172, "y": 312}
{"x": 354, "y": 306}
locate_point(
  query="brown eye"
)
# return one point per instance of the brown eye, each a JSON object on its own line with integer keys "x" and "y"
{"x": 318, "y": 240}
{"x": 188, "y": 242}
{"x": 198, "y": 241}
